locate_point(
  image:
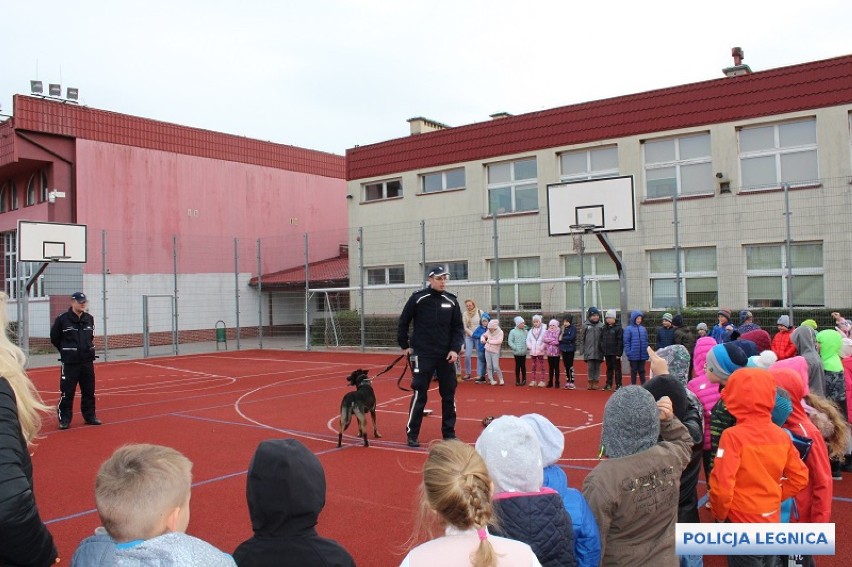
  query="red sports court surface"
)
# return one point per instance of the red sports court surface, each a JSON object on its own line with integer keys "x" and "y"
{"x": 216, "y": 408}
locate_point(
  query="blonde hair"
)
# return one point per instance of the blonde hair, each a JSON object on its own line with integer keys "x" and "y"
{"x": 138, "y": 486}
{"x": 12, "y": 361}
{"x": 456, "y": 487}
{"x": 832, "y": 427}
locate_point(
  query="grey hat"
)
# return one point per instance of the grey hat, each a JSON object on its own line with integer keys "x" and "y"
{"x": 784, "y": 320}
{"x": 631, "y": 423}
{"x": 701, "y": 327}
{"x": 610, "y": 314}
{"x": 552, "y": 440}
{"x": 677, "y": 356}
{"x": 511, "y": 451}
{"x": 518, "y": 320}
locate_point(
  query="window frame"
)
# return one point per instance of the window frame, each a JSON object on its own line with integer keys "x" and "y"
{"x": 36, "y": 194}
{"x": 589, "y": 173}
{"x": 515, "y": 287}
{"x": 685, "y": 276}
{"x": 443, "y": 173}
{"x": 384, "y": 190}
{"x": 777, "y": 151}
{"x": 386, "y": 269}
{"x": 678, "y": 163}
{"x": 513, "y": 184}
{"x": 781, "y": 272}
{"x": 5, "y": 190}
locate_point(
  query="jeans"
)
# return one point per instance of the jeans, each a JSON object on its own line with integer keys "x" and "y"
{"x": 470, "y": 348}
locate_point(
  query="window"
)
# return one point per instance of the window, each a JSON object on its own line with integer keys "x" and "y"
{"x": 766, "y": 271}
{"x": 594, "y": 163}
{"x": 386, "y": 275}
{"x": 5, "y": 190}
{"x": 512, "y": 186}
{"x": 13, "y": 281}
{"x": 678, "y": 166}
{"x": 36, "y": 188}
{"x": 457, "y": 270}
{"x": 381, "y": 190}
{"x": 601, "y": 279}
{"x": 517, "y": 296}
{"x": 443, "y": 180}
{"x": 779, "y": 153}
{"x": 699, "y": 285}
{"x": 13, "y": 197}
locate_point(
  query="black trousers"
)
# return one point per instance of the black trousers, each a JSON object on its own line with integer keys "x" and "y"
{"x": 70, "y": 375}
{"x": 613, "y": 371}
{"x": 423, "y": 369}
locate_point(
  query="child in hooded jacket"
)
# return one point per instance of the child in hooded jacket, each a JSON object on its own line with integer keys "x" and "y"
{"x": 587, "y": 539}
{"x": 285, "y": 490}
{"x": 781, "y": 345}
{"x": 804, "y": 339}
{"x": 568, "y": 346}
{"x": 636, "y": 346}
{"x": 480, "y": 347}
{"x": 551, "y": 349}
{"x": 707, "y": 393}
{"x": 535, "y": 346}
{"x": 830, "y": 342}
{"x": 518, "y": 344}
{"x": 493, "y": 340}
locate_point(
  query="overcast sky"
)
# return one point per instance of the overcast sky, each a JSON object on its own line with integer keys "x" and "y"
{"x": 333, "y": 74}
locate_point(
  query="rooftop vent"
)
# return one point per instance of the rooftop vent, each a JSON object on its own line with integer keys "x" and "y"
{"x": 739, "y": 67}
{"x": 420, "y": 125}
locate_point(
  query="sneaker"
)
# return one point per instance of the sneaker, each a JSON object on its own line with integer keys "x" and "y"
{"x": 532, "y": 383}
{"x": 412, "y": 442}
{"x": 450, "y": 438}
{"x": 571, "y": 386}
{"x": 466, "y": 377}
{"x": 93, "y": 421}
{"x": 480, "y": 380}
{"x": 541, "y": 384}
{"x": 493, "y": 382}
{"x": 567, "y": 386}
{"x": 607, "y": 388}
{"x": 64, "y": 425}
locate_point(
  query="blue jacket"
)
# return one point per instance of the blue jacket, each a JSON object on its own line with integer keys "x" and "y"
{"x": 540, "y": 521}
{"x": 568, "y": 341}
{"x": 635, "y": 339}
{"x": 477, "y": 335}
{"x": 665, "y": 337}
{"x": 587, "y": 538}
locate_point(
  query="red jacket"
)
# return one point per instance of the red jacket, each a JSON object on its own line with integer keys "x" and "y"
{"x": 814, "y": 502}
{"x": 782, "y": 345}
{"x": 756, "y": 465}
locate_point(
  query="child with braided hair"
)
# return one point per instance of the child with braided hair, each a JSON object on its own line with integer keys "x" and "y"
{"x": 456, "y": 495}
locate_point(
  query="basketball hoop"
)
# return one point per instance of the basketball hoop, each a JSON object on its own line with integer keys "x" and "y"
{"x": 55, "y": 258}
{"x": 577, "y": 232}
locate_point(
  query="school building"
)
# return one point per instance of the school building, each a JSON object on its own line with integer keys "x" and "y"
{"x": 741, "y": 194}
{"x": 180, "y": 216}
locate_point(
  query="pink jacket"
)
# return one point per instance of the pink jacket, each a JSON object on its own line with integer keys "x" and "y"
{"x": 706, "y": 391}
{"x": 493, "y": 340}
{"x": 551, "y": 342}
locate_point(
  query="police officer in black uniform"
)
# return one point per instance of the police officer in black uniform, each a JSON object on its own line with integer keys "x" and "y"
{"x": 73, "y": 335}
{"x": 433, "y": 349}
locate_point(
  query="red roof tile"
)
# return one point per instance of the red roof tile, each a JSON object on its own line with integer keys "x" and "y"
{"x": 331, "y": 270}
{"x": 53, "y": 117}
{"x": 786, "y": 89}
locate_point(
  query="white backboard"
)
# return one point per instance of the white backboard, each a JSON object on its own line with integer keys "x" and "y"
{"x": 607, "y": 204}
{"x": 51, "y": 242}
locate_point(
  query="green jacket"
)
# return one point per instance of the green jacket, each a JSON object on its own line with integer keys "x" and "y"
{"x": 518, "y": 341}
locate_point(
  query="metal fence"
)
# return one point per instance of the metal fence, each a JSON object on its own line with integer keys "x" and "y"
{"x": 772, "y": 252}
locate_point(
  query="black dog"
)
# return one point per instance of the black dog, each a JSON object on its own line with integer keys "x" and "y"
{"x": 359, "y": 402}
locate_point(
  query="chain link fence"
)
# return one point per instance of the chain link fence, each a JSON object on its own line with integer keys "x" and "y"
{"x": 771, "y": 252}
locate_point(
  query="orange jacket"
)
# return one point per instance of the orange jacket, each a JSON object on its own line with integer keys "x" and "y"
{"x": 756, "y": 466}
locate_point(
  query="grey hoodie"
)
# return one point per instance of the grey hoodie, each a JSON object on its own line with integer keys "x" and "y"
{"x": 803, "y": 339}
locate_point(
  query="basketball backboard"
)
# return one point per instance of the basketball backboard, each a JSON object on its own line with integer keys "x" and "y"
{"x": 606, "y": 204}
{"x": 51, "y": 242}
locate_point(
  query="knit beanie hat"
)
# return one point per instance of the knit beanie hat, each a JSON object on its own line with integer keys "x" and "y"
{"x": 701, "y": 327}
{"x": 550, "y": 439}
{"x": 810, "y": 323}
{"x": 726, "y": 313}
{"x": 663, "y": 385}
{"x": 784, "y": 320}
{"x": 677, "y": 321}
{"x": 763, "y": 360}
{"x": 724, "y": 358}
{"x": 536, "y": 318}
{"x": 677, "y": 357}
{"x": 667, "y": 317}
{"x": 631, "y": 423}
{"x": 518, "y": 320}
{"x": 553, "y": 323}
{"x": 593, "y": 311}
{"x": 610, "y": 314}
{"x": 494, "y": 324}
{"x": 760, "y": 338}
{"x": 485, "y": 316}
{"x": 745, "y": 314}
{"x": 783, "y": 406}
{"x": 747, "y": 346}
{"x": 510, "y": 449}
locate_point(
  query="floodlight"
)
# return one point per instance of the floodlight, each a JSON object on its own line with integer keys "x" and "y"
{"x": 54, "y": 89}
{"x": 71, "y": 93}
{"x": 36, "y": 87}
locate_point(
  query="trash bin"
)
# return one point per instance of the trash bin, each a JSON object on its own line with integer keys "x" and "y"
{"x": 221, "y": 334}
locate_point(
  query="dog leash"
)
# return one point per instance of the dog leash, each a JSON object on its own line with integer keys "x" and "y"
{"x": 401, "y": 376}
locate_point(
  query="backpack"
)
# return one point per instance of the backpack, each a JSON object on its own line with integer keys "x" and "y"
{"x": 803, "y": 446}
